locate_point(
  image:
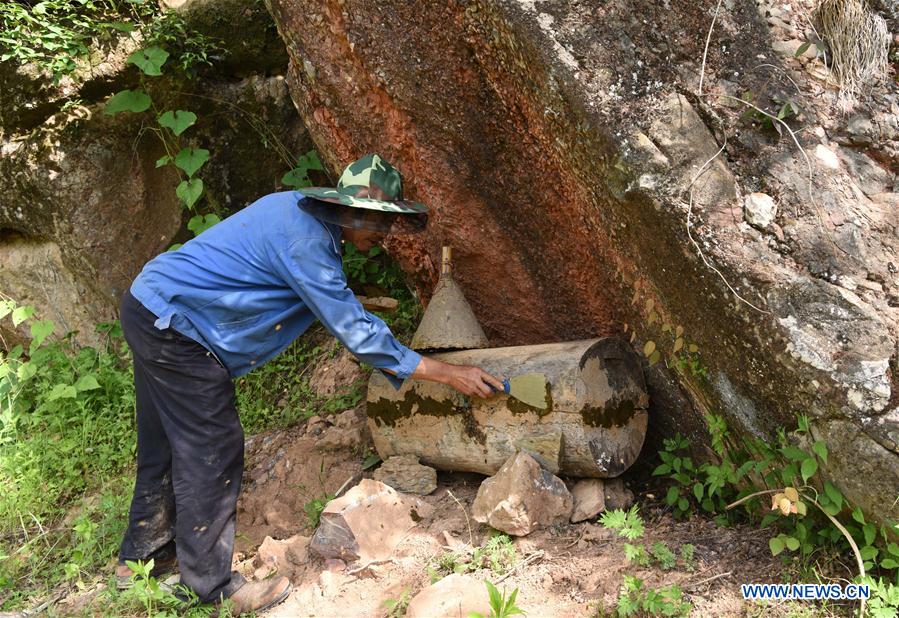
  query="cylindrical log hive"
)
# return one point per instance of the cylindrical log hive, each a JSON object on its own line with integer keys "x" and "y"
{"x": 593, "y": 426}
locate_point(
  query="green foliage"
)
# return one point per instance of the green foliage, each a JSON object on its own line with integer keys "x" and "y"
{"x": 314, "y": 508}
{"x": 298, "y": 177}
{"x": 501, "y": 605}
{"x": 686, "y": 555}
{"x": 149, "y": 60}
{"x": 636, "y": 599}
{"x": 56, "y": 34}
{"x": 628, "y": 524}
{"x": 801, "y": 504}
{"x": 177, "y": 121}
{"x": 396, "y": 608}
{"x": 784, "y": 109}
{"x": 663, "y": 555}
{"x": 376, "y": 274}
{"x": 278, "y": 394}
{"x": 659, "y": 554}
{"x": 190, "y": 49}
{"x": 66, "y": 430}
{"x": 200, "y": 223}
{"x": 498, "y": 555}
{"x": 134, "y": 101}
{"x": 156, "y": 600}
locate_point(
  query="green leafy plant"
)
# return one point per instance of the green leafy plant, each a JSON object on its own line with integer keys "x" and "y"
{"x": 663, "y": 555}
{"x": 298, "y": 177}
{"x": 635, "y": 598}
{"x": 498, "y": 555}
{"x": 396, "y": 608}
{"x": 66, "y": 429}
{"x": 501, "y": 605}
{"x": 314, "y": 508}
{"x": 686, "y": 552}
{"x": 808, "y": 515}
{"x": 627, "y": 524}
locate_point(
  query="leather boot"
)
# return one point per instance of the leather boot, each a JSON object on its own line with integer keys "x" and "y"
{"x": 256, "y": 596}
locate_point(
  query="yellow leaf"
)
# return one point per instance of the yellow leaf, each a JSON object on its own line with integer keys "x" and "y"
{"x": 791, "y": 494}
{"x": 785, "y": 506}
{"x": 649, "y": 348}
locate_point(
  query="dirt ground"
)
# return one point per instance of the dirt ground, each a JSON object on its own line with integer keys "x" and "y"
{"x": 570, "y": 570}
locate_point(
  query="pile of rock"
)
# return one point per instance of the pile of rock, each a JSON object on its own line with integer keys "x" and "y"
{"x": 523, "y": 496}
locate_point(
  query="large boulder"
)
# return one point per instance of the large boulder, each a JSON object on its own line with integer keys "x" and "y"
{"x": 83, "y": 205}
{"x": 560, "y": 146}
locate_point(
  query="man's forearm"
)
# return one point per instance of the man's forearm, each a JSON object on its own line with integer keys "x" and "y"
{"x": 433, "y": 370}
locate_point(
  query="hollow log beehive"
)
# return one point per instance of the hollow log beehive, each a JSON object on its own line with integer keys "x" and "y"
{"x": 593, "y": 425}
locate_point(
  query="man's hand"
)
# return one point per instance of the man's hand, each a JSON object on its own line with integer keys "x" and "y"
{"x": 468, "y": 380}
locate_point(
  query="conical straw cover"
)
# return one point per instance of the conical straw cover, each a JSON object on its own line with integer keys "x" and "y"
{"x": 448, "y": 323}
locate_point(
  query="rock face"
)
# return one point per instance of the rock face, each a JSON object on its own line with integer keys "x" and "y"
{"x": 367, "y": 522}
{"x": 405, "y": 474}
{"x": 82, "y": 203}
{"x": 454, "y": 596}
{"x": 560, "y": 144}
{"x": 521, "y": 497}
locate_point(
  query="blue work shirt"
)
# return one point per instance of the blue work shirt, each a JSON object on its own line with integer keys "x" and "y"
{"x": 250, "y": 285}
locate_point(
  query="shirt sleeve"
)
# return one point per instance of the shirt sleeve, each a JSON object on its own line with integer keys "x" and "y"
{"x": 314, "y": 269}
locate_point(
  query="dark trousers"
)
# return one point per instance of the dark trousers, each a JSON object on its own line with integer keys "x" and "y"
{"x": 189, "y": 455}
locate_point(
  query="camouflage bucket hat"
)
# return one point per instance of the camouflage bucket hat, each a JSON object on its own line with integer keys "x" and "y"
{"x": 382, "y": 180}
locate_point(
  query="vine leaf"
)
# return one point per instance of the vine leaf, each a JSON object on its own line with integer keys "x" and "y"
{"x": 149, "y": 60}
{"x": 191, "y": 159}
{"x": 128, "y": 101}
{"x": 200, "y": 223}
{"x": 178, "y": 121}
{"x": 40, "y": 329}
{"x": 299, "y": 175}
{"x": 20, "y": 314}
{"x": 189, "y": 191}
{"x": 165, "y": 160}
{"x": 87, "y": 383}
{"x": 809, "y": 467}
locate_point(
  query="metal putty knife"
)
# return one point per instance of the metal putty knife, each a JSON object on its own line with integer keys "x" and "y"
{"x": 529, "y": 388}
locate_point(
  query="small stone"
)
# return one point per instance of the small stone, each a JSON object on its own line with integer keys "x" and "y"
{"x": 759, "y": 209}
{"x": 335, "y": 565}
{"x": 404, "y": 473}
{"x": 367, "y": 522}
{"x": 828, "y": 157}
{"x": 454, "y": 595}
{"x": 589, "y": 499}
{"x": 521, "y": 497}
{"x": 617, "y": 495}
{"x": 281, "y": 556}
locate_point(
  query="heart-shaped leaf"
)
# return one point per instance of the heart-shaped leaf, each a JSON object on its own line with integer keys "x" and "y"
{"x": 149, "y": 60}
{"x": 201, "y": 223}
{"x": 20, "y": 314}
{"x": 178, "y": 121}
{"x": 87, "y": 383}
{"x": 809, "y": 467}
{"x": 128, "y": 101}
{"x": 163, "y": 160}
{"x": 297, "y": 177}
{"x": 191, "y": 159}
{"x": 310, "y": 161}
{"x": 62, "y": 391}
{"x": 189, "y": 191}
{"x": 40, "y": 329}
